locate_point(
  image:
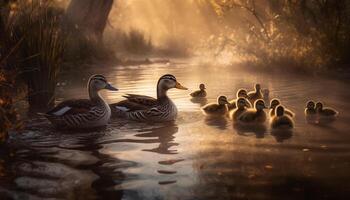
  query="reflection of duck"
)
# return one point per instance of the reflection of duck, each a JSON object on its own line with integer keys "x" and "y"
{"x": 240, "y": 93}
{"x": 145, "y": 108}
{"x": 255, "y": 115}
{"x": 165, "y": 135}
{"x": 218, "y": 122}
{"x": 241, "y": 108}
{"x": 216, "y": 109}
{"x": 281, "y": 135}
{"x": 273, "y": 105}
{"x": 200, "y": 101}
{"x": 325, "y": 112}
{"x": 84, "y": 113}
{"x": 256, "y": 94}
{"x": 258, "y": 130}
{"x": 199, "y": 93}
{"x": 280, "y": 120}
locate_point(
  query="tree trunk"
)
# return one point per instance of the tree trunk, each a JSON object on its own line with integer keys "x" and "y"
{"x": 89, "y": 16}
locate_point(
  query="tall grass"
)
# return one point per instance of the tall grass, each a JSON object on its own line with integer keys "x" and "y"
{"x": 42, "y": 49}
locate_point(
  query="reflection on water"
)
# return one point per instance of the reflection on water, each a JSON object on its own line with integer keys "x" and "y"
{"x": 193, "y": 158}
{"x": 259, "y": 130}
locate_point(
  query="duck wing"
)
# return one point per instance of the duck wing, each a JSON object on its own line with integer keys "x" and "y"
{"x": 141, "y": 99}
{"x": 71, "y": 107}
{"x": 135, "y": 102}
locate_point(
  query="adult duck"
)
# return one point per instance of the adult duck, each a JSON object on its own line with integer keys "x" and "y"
{"x": 144, "y": 108}
{"x": 83, "y": 113}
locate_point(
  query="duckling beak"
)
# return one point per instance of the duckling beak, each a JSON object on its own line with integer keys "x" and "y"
{"x": 179, "y": 86}
{"x": 110, "y": 87}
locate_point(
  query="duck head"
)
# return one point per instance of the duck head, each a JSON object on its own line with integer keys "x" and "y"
{"x": 319, "y": 106}
{"x": 202, "y": 87}
{"x": 167, "y": 82}
{"x": 96, "y": 83}
{"x": 222, "y": 100}
{"x": 99, "y": 82}
{"x": 310, "y": 105}
{"x": 279, "y": 111}
{"x": 259, "y": 105}
{"x": 242, "y": 93}
{"x": 274, "y": 103}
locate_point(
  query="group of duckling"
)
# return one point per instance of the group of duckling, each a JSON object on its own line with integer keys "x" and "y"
{"x": 248, "y": 109}
{"x": 96, "y": 112}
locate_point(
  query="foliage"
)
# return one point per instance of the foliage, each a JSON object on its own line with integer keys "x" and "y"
{"x": 135, "y": 42}
{"x": 8, "y": 115}
{"x": 309, "y": 33}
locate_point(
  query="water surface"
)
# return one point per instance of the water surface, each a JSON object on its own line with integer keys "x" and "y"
{"x": 193, "y": 157}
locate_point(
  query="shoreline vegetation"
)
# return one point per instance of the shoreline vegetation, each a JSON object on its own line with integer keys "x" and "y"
{"x": 40, "y": 40}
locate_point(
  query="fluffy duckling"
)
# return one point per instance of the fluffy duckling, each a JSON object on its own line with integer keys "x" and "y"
{"x": 240, "y": 93}
{"x": 280, "y": 120}
{"x": 310, "y": 108}
{"x": 216, "y": 109}
{"x": 256, "y": 94}
{"x": 256, "y": 115}
{"x": 199, "y": 93}
{"x": 325, "y": 112}
{"x": 273, "y": 105}
{"x": 241, "y": 108}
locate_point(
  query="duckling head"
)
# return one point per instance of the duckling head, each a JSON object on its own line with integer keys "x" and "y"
{"x": 279, "y": 111}
{"x": 241, "y": 102}
{"x": 310, "y": 105}
{"x": 202, "y": 86}
{"x": 242, "y": 93}
{"x": 319, "y": 106}
{"x": 98, "y": 82}
{"x": 257, "y": 87}
{"x": 274, "y": 103}
{"x": 259, "y": 104}
{"x": 222, "y": 100}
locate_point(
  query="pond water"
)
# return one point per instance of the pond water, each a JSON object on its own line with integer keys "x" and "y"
{"x": 193, "y": 157}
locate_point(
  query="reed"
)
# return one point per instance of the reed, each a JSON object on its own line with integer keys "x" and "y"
{"x": 42, "y": 49}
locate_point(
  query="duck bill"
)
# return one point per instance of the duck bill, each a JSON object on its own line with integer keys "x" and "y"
{"x": 180, "y": 87}
{"x": 110, "y": 87}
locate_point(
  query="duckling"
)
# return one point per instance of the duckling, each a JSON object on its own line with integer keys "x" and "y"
{"x": 199, "y": 93}
{"x": 241, "y": 108}
{"x": 83, "y": 113}
{"x": 219, "y": 109}
{"x": 256, "y": 115}
{"x": 240, "y": 93}
{"x": 256, "y": 94}
{"x": 310, "y": 108}
{"x": 274, "y": 103}
{"x": 281, "y": 120}
{"x": 325, "y": 112}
